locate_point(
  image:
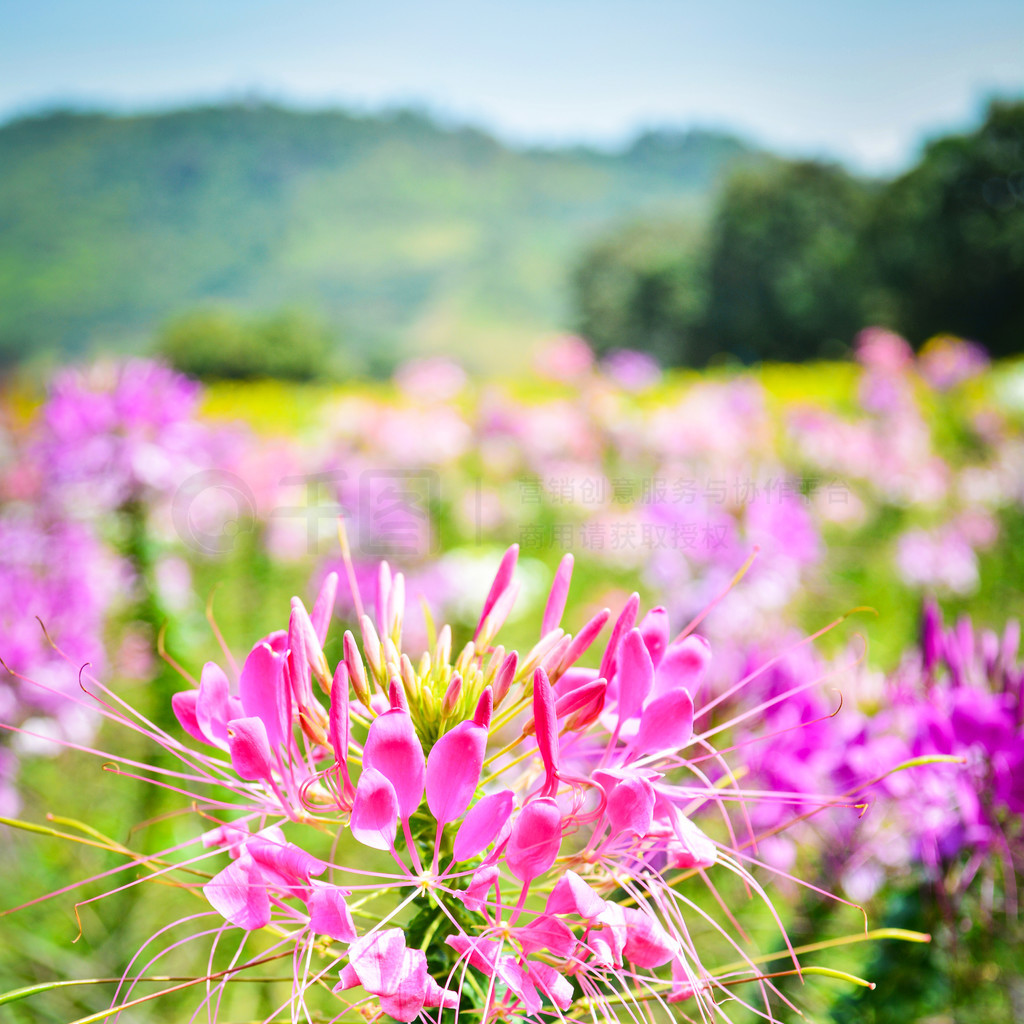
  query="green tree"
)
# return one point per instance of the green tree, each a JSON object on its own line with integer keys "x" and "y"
{"x": 786, "y": 276}
{"x": 948, "y": 237}
{"x": 218, "y": 344}
{"x": 643, "y": 287}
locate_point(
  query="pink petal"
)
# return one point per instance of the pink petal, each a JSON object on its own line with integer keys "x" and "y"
{"x": 240, "y": 895}
{"x": 291, "y": 865}
{"x": 484, "y": 709}
{"x": 654, "y": 629}
{"x": 502, "y": 579}
{"x": 683, "y": 986}
{"x": 503, "y": 680}
{"x": 584, "y": 704}
{"x": 556, "y": 598}
{"x": 483, "y": 880}
{"x": 572, "y": 895}
{"x": 535, "y": 840}
{"x": 666, "y": 723}
{"x": 277, "y": 641}
{"x": 183, "y": 704}
{"x": 485, "y": 820}
{"x": 298, "y": 654}
{"x": 635, "y": 675}
{"x": 518, "y": 982}
{"x": 546, "y": 932}
{"x": 263, "y": 692}
{"x": 347, "y": 979}
{"x": 552, "y": 983}
{"x": 338, "y": 722}
{"x": 501, "y": 610}
{"x": 631, "y": 807}
{"x": 623, "y": 624}
{"x": 249, "y": 747}
{"x": 647, "y": 943}
{"x": 546, "y": 725}
{"x": 478, "y": 952}
{"x": 694, "y": 849}
{"x": 232, "y": 837}
{"x": 374, "y": 819}
{"x": 434, "y": 995}
{"x": 573, "y": 679}
{"x": 271, "y": 834}
{"x": 329, "y": 913}
{"x": 583, "y": 639}
{"x": 393, "y": 748}
{"x": 600, "y": 946}
{"x": 378, "y": 959}
{"x": 405, "y": 1000}
{"x": 612, "y": 933}
{"x": 214, "y": 707}
{"x": 453, "y": 770}
{"x": 683, "y": 665}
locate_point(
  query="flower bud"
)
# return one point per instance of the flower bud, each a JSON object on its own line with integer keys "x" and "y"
{"x": 582, "y": 705}
{"x": 502, "y": 580}
{"x": 392, "y": 659}
{"x": 408, "y": 675}
{"x": 301, "y": 631}
{"x": 494, "y": 662}
{"x": 581, "y": 642}
{"x": 443, "y": 647}
{"x": 504, "y": 677}
{"x": 451, "y": 695}
{"x": 371, "y": 645}
{"x": 423, "y": 669}
{"x": 551, "y": 660}
{"x": 484, "y": 709}
{"x": 556, "y": 598}
{"x": 495, "y": 619}
{"x": 541, "y": 650}
{"x": 465, "y": 658}
{"x": 396, "y": 694}
{"x": 356, "y": 669}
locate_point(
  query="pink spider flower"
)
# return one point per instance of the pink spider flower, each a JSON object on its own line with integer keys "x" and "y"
{"x": 483, "y": 833}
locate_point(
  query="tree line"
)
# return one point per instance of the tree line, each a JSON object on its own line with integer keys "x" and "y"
{"x": 799, "y": 255}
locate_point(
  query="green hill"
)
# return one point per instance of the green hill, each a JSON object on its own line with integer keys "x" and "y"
{"x": 391, "y": 228}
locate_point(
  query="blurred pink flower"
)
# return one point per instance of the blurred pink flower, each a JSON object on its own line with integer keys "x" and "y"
{"x": 567, "y": 358}
{"x": 431, "y": 379}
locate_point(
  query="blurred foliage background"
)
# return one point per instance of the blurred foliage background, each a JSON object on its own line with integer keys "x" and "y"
{"x": 235, "y": 232}
{"x": 797, "y": 256}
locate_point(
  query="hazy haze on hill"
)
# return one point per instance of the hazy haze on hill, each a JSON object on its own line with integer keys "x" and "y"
{"x": 394, "y": 230}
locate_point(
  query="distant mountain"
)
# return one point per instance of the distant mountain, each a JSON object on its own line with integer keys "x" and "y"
{"x": 392, "y": 228}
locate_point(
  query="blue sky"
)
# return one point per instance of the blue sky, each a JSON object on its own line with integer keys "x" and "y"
{"x": 864, "y": 81}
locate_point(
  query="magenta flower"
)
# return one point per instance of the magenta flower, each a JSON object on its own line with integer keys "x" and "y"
{"x": 945, "y": 362}
{"x": 488, "y": 832}
{"x": 632, "y": 370}
{"x": 119, "y": 432}
{"x": 56, "y": 587}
